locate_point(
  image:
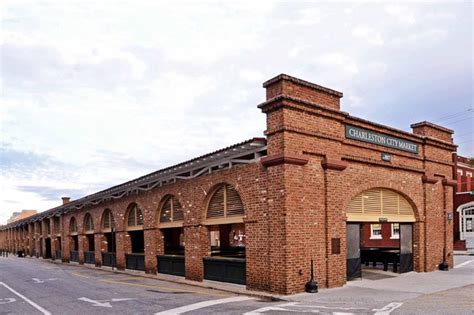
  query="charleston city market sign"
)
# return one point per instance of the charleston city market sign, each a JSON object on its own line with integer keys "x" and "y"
{"x": 370, "y": 136}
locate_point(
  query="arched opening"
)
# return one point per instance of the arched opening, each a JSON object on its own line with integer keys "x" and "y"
{"x": 108, "y": 239}
{"x": 379, "y": 232}
{"x": 466, "y": 220}
{"x": 47, "y": 238}
{"x": 135, "y": 243}
{"x": 224, "y": 217}
{"x": 57, "y": 233}
{"x": 89, "y": 242}
{"x": 170, "y": 223}
{"x": 73, "y": 240}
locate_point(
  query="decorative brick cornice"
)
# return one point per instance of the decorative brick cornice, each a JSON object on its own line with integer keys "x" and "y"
{"x": 429, "y": 179}
{"x": 336, "y": 165}
{"x": 284, "y": 158}
{"x": 302, "y": 82}
{"x": 449, "y": 182}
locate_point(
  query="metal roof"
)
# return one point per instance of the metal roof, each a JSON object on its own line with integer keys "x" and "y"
{"x": 244, "y": 152}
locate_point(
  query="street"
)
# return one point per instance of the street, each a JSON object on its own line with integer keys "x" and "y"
{"x": 34, "y": 286}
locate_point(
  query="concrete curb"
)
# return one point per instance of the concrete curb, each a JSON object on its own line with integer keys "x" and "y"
{"x": 230, "y": 288}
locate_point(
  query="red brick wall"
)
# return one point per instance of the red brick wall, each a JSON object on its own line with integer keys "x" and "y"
{"x": 386, "y": 240}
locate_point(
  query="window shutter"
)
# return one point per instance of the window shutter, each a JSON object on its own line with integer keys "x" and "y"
{"x": 165, "y": 214}
{"x": 131, "y": 217}
{"x": 234, "y": 203}
{"x": 178, "y": 214}
{"x": 106, "y": 219}
{"x": 216, "y": 204}
{"x": 139, "y": 216}
{"x": 376, "y": 203}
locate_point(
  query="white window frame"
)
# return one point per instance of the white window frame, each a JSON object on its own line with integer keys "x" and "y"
{"x": 375, "y": 236}
{"x": 460, "y": 172}
{"x": 394, "y": 236}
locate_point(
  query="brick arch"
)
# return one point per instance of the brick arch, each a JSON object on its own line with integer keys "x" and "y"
{"x": 348, "y": 198}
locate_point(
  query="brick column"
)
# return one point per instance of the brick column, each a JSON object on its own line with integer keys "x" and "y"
{"x": 335, "y": 222}
{"x": 53, "y": 239}
{"x": 81, "y": 241}
{"x": 98, "y": 246}
{"x": 197, "y": 246}
{"x": 152, "y": 239}
{"x": 120, "y": 249}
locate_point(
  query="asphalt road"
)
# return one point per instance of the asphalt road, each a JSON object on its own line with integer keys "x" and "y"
{"x": 34, "y": 286}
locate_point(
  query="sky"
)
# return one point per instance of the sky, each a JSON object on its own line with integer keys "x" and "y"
{"x": 95, "y": 93}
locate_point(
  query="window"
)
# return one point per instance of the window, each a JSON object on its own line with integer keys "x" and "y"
{"x": 171, "y": 211}
{"x": 57, "y": 226}
{"x": 135, "y": 217}
{"x": 395, "y": 231}
{"x": 73, "y": 226}
{"x": 88, "y": 223}
{"x": 225, "y": 202}
{"x": 108, "y": 220}
{"x": 376, "y": 231}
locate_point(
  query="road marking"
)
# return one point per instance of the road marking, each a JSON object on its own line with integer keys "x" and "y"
{"x": 464, "y": 263}
{"x": 387, "y": 309}
{"x": 36, "y": 280}
{"x": 7, "y": 300}
{"x": 39, "y": 308}
{"x": 104, "y": 303}
{"x": 196, "y": 306}
{"x": 155, "y": 287}
{"x": 79, "y": 275}
{"x": 95, "y": 303}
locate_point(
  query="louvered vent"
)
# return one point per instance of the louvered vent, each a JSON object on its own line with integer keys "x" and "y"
{"x": 165, "y": 214}
{"x": 377, "y": 203}
{"x": 216, "y": 204}
{"x": 234, "y": 203}
{"x": 177, "y": 211}
{"x": 88, "y": 223}
{"x": 224, "y": 203}
{"x": 73, "y": 226}
{"x": 171, "y": 211}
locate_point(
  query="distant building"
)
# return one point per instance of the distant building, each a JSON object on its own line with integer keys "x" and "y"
{"x": 463, "y": 202}
{"x": 21, "y": 215}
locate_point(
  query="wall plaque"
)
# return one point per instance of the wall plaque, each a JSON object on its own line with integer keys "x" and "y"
{"x": 365, "y": 135}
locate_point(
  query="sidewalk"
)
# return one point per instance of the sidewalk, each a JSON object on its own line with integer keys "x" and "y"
{"x": 402, "y": 287}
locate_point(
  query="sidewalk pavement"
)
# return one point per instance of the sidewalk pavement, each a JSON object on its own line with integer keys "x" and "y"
{"x": 398, "y": 288}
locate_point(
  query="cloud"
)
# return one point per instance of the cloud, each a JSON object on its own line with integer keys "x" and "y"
{"x": 105, "y": 92}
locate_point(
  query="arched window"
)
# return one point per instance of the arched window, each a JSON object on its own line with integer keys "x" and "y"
{"x": 88, "y": 223}
{"x": 134, "y": 217}
{"x": 107, "y": 220}
{"x": 380, "y": 203}
{"x": 171, "y": 210}
{"x": 73, "y": 226}
{"x": 225, "y": 205}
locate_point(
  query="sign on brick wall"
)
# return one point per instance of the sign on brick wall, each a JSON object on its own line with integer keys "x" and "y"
{"x": 373, "y": 137}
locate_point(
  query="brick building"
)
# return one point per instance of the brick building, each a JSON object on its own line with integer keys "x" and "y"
{"x": 463, "y": 202}
{"x": 258, "y": 211}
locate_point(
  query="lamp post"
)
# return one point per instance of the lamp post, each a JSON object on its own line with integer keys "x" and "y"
{"x": 311, "y": 286}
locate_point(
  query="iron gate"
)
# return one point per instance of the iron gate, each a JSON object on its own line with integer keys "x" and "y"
{"x": 353, "y": 262}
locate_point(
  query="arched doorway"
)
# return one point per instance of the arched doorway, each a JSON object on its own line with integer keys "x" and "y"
{"x": 135, "y": 239}
{"x": 89, "y": 241}
{"x": 379, "y": 232}
{"x": 170, "y": 223}
{"x": 73, "y": 241}
{"x": 224, "y": 217}
{"x": 108, "y": 239}
{"x": 466, "y": 220}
